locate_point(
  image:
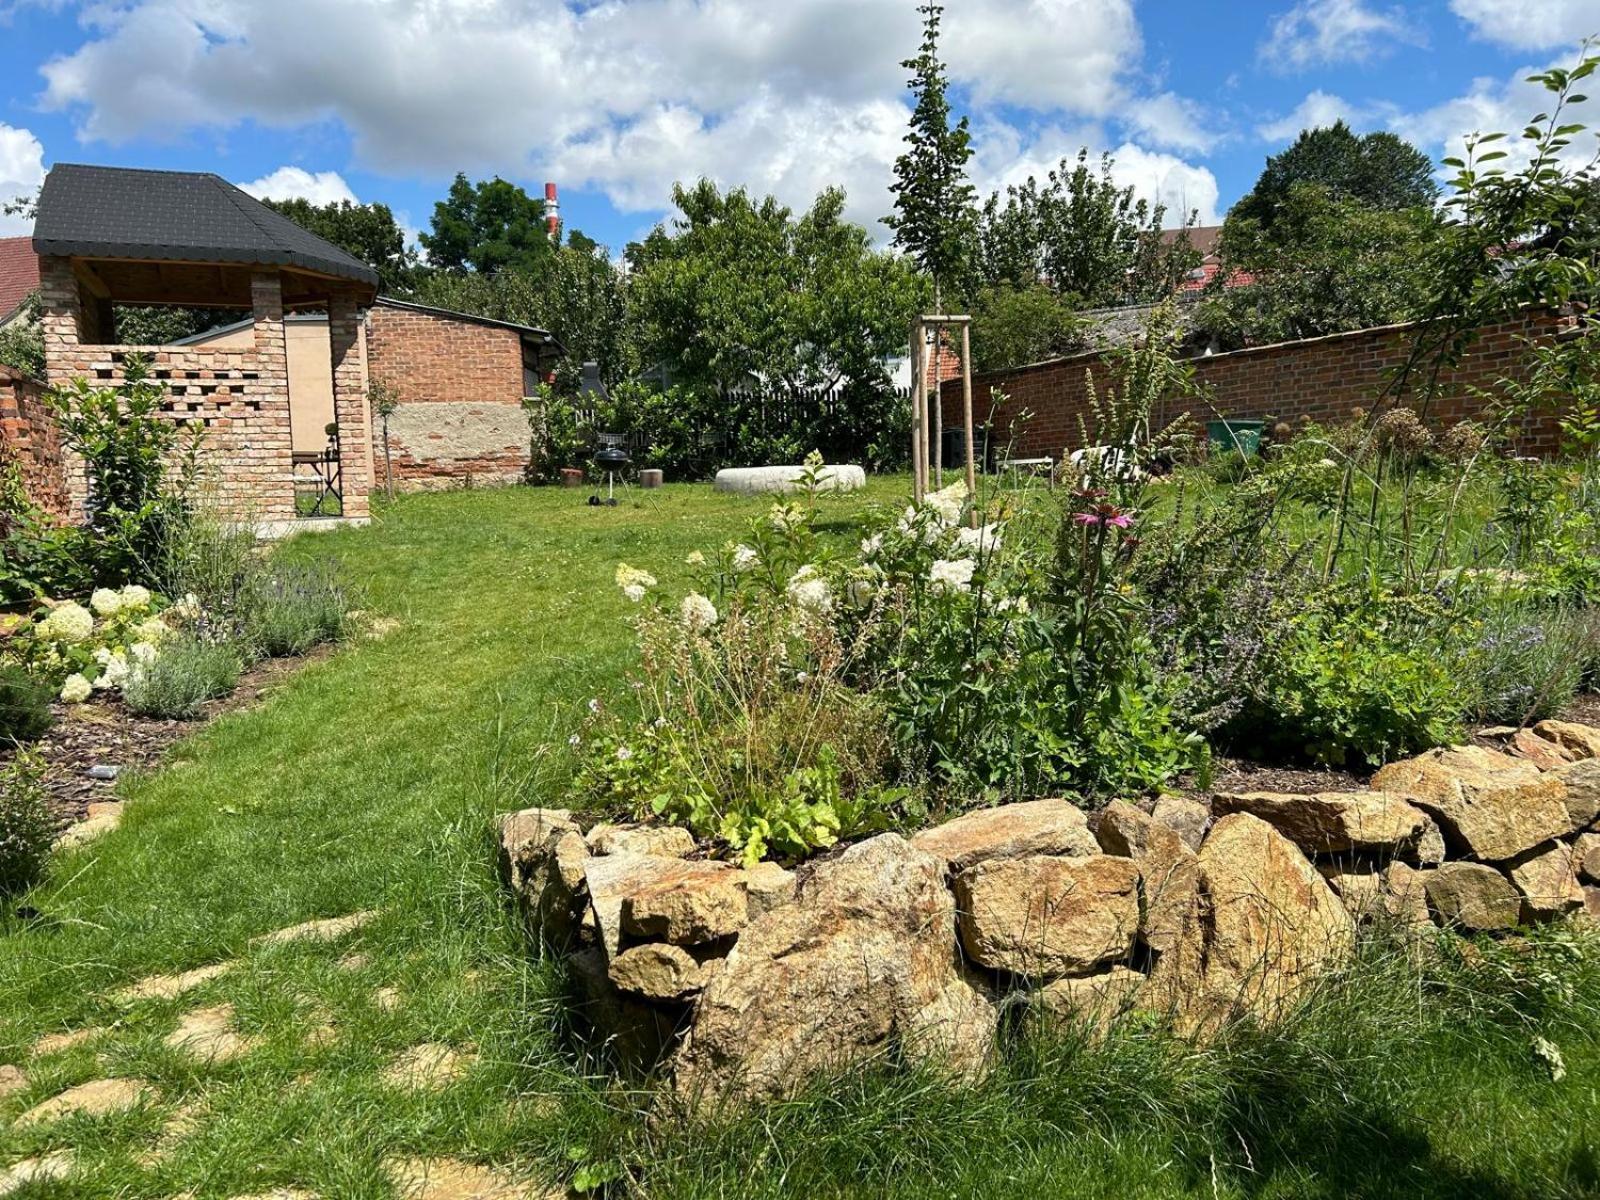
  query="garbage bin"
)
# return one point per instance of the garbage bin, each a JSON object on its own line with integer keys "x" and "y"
{"x": 955, "y": 447}
{"x": 1243, "y": 436}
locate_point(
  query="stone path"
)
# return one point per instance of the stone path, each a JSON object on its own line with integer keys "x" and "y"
{"x": 42, "y": 1169}
{"x": 452, "y": 1179}
{"x": 329, "y": 929}
{"x": 207, "y": 1034}
{"x": 170, "y": 987}
{"x": 427, "y": 1066}
{"x": 97, "y": 1098}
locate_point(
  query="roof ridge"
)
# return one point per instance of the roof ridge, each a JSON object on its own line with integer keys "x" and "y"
{"x": 246, "y": 210}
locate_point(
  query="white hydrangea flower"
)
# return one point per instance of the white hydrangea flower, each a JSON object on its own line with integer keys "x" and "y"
{"x": 698, "y": 613}
{"x": 68, "y": 623}
{"x": 142, "y": 654}
{"x": 187, "y": 609}
{"x": 634, "y": 592}
{"x": 1016, "y": 604}
{"x": 983, "y": 540}
{"x": 860, "y": 592}
{"x": 785, "y": 517}
{"x": 134, "y": 596}
{"x": 810, "y": 590}
{"x": 951, "y": 574}
{"x": 949, "y": 502}
{"x": 696, "y": 559}
{"x": 870, "y": 546}
{"x": 151, "y": 629}
{"x": 113, "y": 672}
{"x": 923, "y": 524}
{"x": 634, "y": 582}
{"x": 745, "y": 558}
{"x": 107, "y": 602}
{"x": 76, "y": 689}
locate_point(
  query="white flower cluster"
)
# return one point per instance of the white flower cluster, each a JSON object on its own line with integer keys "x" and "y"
{"x": 66, "y": 624}
{"x": 745, "y": 558}
{"x": 982, "y": 541}
{"x": 698, "y": 613}
{"x": 634, "y": 582}
{"x": 951, "y": 574}
{"x": 107, "y": 602}
{"x": 126, "y": 639}
{"x": 810, "y": 591}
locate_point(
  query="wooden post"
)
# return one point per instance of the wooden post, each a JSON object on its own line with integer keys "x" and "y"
{"x": 938, "y": 404}
{"x": 917, "y": 458}
{"x": 966, "y": 411}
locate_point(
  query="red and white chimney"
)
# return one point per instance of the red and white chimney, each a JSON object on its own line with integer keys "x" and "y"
{"x": 552, "y": 212}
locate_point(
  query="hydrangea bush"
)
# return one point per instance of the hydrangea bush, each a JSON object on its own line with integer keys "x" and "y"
{"x": 96, "y": 647}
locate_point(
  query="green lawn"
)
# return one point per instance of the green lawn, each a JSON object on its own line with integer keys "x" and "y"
{"x": 369, "y": 781}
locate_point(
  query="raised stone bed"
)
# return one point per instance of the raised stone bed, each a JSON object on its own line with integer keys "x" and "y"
{"x": 743, "y": 984}
{"x": 751, "y": 481}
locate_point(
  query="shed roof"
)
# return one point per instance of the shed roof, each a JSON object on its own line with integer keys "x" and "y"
{"x": 19, "y": 273}
{"x": 175, "y": 216}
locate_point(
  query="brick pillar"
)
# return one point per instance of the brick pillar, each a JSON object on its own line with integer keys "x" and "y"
{"x": 350, "y": 402}
{"x": 60, "y": 308}
{"x": 260, "y": 472}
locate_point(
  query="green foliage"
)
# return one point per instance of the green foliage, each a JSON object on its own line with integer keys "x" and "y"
{"x": 1524, "y": 662}
{"x": 24, "y": 705}
{"x": 38, "y": 557}
{"x": 368, "y": 231}
{"x": 162, "y": 324}
{"x": 22, "y": 340}
{"x": 488, "y": 226}
{"x": 1093, "y": 241}
{"x": 189, "y": 671}
{"x": 128, "y": 451}
{"x": 1014, "y": 324}
{"x": 1375, "y": 171}
{"x": 933, "y": 199}
{"x": 742, "y": 293}
{"x": 558, "y": 436}
{"x": 1324, "y": 265}
{"x": 26, "y": 830}
{"x": 292, "y": 608}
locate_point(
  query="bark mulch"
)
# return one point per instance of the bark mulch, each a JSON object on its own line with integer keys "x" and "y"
{"x": 102, "y": 733}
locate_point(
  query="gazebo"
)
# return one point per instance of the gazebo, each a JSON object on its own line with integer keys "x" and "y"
{"x": 109, "y": 236}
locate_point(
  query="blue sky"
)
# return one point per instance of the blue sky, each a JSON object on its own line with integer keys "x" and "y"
{"x": 614, "y": 99}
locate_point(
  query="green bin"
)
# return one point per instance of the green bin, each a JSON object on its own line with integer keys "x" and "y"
{"x": 1243, "y": 436}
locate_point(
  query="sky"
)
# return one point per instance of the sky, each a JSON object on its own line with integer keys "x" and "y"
{"x": 385, "y": 100}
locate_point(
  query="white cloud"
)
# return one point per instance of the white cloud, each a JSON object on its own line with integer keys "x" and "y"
{"x": 625, "y": 97}
{"x": 1496, "y": 106}
{"x": 1320, "y": 109}
{"x": 1525, "y": 25}
{"x": 21, "y": 173}
{"x": 296, "y": 183}
{"x": 1316, "y": 32}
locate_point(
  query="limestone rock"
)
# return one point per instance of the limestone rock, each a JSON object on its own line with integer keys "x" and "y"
{"x": 635, "y": 1034}
{"x": 1586, "y": 855}
{"x": 1547, "y": 879}
{"x": 1473, "y": 897}
{"x": 1591, "y": 903}
{"x": 207, "y": 1034}
{"x": 522, "y": 832}
{"x": 1168, "y": 872}
{"x": 1269, "y": 926}
{"x": 1430, "y": 849}
{"x": 454, "y": 1179}
{"x": 1332, "y": 822}
{"x": 1092, "y": 1001}
{"x": 548, "y": 880}
{"x": 863, "y": 960}
{"x": 768, "y": 885}
{"x": 57, "y": 1043}
{"x": 657, "y": 971}
{"x": 687, "y": 903}
{"x": 327, "y": 929}
{"x": 1009, "y": 831}
{"x": 1489, "y": 805}
{"x": 1393, "y": 893}
{"x": 97, "y": 1098}
{"x": 1187, "y": 818}
{"x": 611, "y": 879}
{"x": 45, "y": 1168}
{"x": 667, "y": 841}
{"x": 1581, "y": 741}
{"x": 1045, "y": 915}
{"x": 1582, "y": 781}
{"x": 12, "y": 1079}
{"x": 100, "y": 819}
{"x": 427, "y": 1066}
{"x": 170, "y": 987}
{"x": 1542, "y": 752}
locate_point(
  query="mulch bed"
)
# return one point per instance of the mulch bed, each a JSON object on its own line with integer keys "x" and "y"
{"x": 105, "y": 734}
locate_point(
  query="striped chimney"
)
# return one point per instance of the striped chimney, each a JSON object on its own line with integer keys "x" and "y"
{"x": 552, "y": 212}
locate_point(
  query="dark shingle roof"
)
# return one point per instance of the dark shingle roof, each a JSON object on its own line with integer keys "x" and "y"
{"x": 175, "y": 216}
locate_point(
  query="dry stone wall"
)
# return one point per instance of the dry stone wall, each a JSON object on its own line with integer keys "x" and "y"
{"x": 745, "y": 984}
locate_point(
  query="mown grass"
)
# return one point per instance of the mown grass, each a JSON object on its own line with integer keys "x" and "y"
{"x": 370, "y": 780}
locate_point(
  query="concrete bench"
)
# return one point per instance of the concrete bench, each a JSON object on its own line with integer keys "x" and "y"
{"x": 751, "y": 481}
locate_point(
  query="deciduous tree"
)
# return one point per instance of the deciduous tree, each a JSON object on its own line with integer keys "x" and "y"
{"x": 488, "y": 226}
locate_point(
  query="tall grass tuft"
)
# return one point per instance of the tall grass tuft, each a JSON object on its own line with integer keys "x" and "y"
{"x": 26, "y": 830}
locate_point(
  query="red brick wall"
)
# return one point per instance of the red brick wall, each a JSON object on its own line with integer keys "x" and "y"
{"x": 28, "y": 431}
{"x": 1322, "y": 379}
{"x": 461, "y": 388}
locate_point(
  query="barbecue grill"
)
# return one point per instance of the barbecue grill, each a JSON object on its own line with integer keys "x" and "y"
{"x": 609, "y": 460}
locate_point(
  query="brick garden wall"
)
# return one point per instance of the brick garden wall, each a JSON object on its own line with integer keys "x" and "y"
{"x": 1320, "y": 379}
{"x": 30, "y": 433}
{"x": 460, "y": 417}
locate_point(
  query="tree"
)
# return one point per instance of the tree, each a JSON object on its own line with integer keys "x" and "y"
{"x": 581, "y": 298}
{"x": 933, "y": 216}
{"x": 488, "y": 226}
{"x": 1014, "y": 324}
{"x": 739, "y": 289}
{"x": 1090, "y": 240}
{"x": 368, "y": 231}
{"x": 1377, "y": 170}
{"x": 1326, "y": 265}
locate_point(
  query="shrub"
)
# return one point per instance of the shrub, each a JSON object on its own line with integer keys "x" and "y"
{"x": 188, "y": 672}
{"x": 212, "y": 564}
{"x": 24, "y": 706}
{"x": 26, "y": 830}
{"x": 1526, "y": 663}
{"x": 292, "y": 608}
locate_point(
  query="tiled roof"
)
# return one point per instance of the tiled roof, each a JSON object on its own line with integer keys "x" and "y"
{"x": 175, "y": 216}
{"x": 19, "y": 273}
